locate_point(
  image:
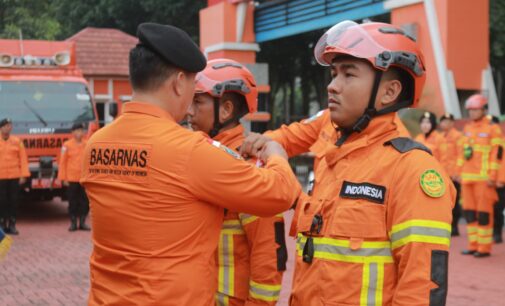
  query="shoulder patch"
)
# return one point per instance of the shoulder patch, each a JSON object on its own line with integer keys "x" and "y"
{"x": 432, "y": 183}
{"x": 314, "y": 117}
{"x": 405, "y": 144}
{"x": 224, "y": 148}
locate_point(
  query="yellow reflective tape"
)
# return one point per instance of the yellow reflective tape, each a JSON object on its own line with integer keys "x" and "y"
{"x": 482, "y": 148}
{"x": 474, "y": 177}
{"x": 485, "y": 231}
{"x": 484, "y": 240}
{"x": 381, "y": 247}
{"x": 472, "y": 238}
{"x": 380, "y": 284}
{"x": 231, "y": 222}
{"x": 246, "y": 218}
{"x": 426, "y": 223}
{"x": 496, "y": 141}
{"x": 420, "y": 238}
{"x": 263, "y": 297}
{"x": 231, "y": 261}
{"x": 471, "y": 229}
{"x": 349, "y": 258}
{"x": 233, "y": 231}
{"x": 265, "y": 286}
{"x": 365, "y": 283}
{"x": 221, "y": 263}
{"x": 222, "y": 299}
{"x": 232, "y": 227}
{"x": 264, "y": 292}
{"x": 347, "y": 243}
{"x": 494, "y": 166}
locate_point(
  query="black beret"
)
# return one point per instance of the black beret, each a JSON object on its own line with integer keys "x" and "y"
{"x": 77, "y": 126}
{"x": 447, "y": 116}
{"x": 5, "y": 121}
{"x": 173, "y": 45}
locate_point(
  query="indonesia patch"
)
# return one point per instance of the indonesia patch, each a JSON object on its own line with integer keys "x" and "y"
{"x": 432, "y": 183}
{"x": 366, "y": 191}
{"x": 309, "y": 120}
{"x": 224, "y": 148}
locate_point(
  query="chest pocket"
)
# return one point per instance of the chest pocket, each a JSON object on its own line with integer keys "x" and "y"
{"x": 356, "y": 218}
{"x": 308, "y": 210}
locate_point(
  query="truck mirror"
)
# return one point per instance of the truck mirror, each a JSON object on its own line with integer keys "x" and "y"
{"x": 113, "y": 109}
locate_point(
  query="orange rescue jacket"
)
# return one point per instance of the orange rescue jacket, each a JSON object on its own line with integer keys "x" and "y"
{"x": 252, "y": 252}
{"x": 481, "y": 142}
{"x": 157, "y": 193}
{"x": 436, "y": 143}
{"x": 376, "y": 230}
{"x": 453, "y": 140}
{"x": 13, "y": 159}
{"x": 70, "y": 165}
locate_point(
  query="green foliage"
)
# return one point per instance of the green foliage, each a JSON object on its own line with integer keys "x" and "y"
{"x": 126, "y": 15}
{"x": 35, "y": 18}
{"x": 497, "y": 30}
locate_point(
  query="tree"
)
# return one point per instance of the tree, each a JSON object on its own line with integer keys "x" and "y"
{"x": 497, "y": 48}
{"x": 126, "y": 15}
{"x": 33, "y": 18}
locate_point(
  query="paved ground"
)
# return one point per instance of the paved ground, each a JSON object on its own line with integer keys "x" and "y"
{"x": 49, "y": 266}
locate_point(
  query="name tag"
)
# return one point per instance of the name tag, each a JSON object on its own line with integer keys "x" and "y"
{"x": 366, "y": 191}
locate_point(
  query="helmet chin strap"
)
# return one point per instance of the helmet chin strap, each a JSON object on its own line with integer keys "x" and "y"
{"x": 371, "y": 112}
{"x": 364, "y": 120}
{"x": 217, "y": 126}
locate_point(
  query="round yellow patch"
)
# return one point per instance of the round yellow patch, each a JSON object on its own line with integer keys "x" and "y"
{"x": 432, "y": 183}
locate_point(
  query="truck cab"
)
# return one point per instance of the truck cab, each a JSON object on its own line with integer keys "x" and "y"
{"x": 44, "y": 93}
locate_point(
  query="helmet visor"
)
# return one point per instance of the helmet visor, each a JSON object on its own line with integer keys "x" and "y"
{"x": 217, "y": 88}
{"x": 346, "y": 37}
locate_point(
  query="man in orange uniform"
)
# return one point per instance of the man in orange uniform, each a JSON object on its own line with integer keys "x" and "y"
{"x": 430, "y": 137}
{"x": 13, "y": 173}
{"x": 252, "y": 252}
{"x": 499, "y": 207}
{"x": 69, "y": 173}
{"x": 453, "y": 143}
{"x": 479, "y": 168}
{"x": 376, "y": 230}
{"x": 158, "y": 191}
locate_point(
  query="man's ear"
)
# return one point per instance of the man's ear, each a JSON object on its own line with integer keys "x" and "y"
{"x": 226, "y": 110}
{"x": 178, "y": 82}
{"x": 390, "y": 92}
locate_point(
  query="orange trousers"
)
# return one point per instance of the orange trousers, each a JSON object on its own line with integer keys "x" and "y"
{"x": 478, "y": 201}
{"x": 225, "y": 300}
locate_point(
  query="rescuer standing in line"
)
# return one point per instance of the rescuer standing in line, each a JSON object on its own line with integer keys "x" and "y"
{"x": 13, "y": 174}
{"x": 478, "y": 165}
{"x": 368, "y": 235}
{"x": 453, "y": 140}
{"x": 69, "y": 173}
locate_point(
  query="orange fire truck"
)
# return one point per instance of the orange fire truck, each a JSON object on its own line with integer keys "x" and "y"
{"x": 44, "y": 93}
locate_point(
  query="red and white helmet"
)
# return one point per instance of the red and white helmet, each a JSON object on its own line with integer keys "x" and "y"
{"x": 225, "y": 75}
{"x": 382, "y": 45}
{"x": 476, "y": 101}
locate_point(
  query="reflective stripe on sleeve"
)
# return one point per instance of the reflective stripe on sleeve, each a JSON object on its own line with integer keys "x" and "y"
{"x": 264, "y": 292}
{"x": 424, "y": 231}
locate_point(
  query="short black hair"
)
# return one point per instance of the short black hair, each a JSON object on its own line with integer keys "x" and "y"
{"x": 77, "y": 126}
{"x": 147, "y": 69}
{"x": 239, "y": 103}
